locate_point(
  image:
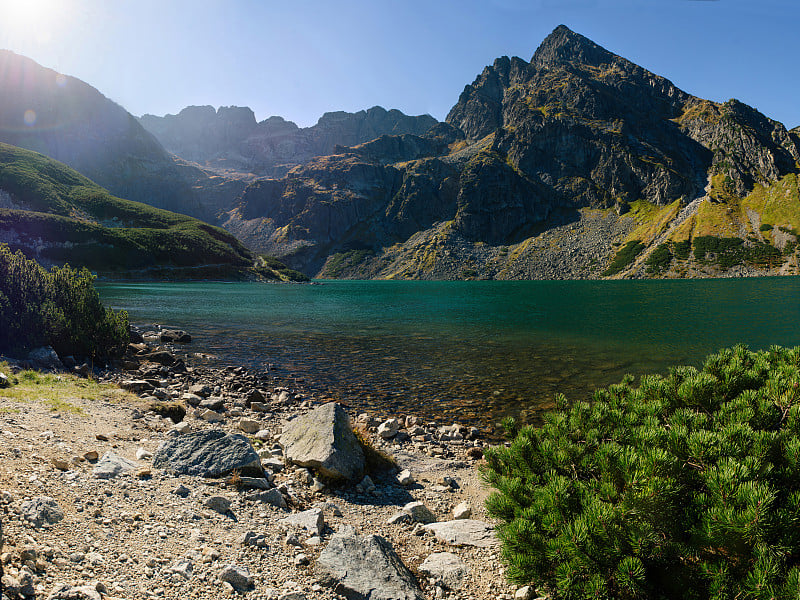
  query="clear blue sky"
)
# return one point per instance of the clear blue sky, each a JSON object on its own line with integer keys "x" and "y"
{"x": 299, "y": 58}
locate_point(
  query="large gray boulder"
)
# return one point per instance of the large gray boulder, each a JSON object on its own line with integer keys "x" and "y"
{"x": 324, "y": 440}
{"x": 211, "y": 453}
{"x": 365, "y": 568}
{"x": 45, "y": 358}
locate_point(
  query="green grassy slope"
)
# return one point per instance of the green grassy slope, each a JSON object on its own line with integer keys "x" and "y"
{"x": 55, "y": 214}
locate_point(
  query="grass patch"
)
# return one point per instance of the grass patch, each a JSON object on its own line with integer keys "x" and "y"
{"x": 376, "y": 461}
{"x": 778, "y": 203}
{"x": 651, "y": 219}
{"x": 84, "y": 224}
{"x": 271, "y": 269}
{"x": 59, "y": 392}
{"x": 720, "y": 219}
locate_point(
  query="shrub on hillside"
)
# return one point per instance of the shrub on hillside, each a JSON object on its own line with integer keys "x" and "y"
{"x": 687, "y": 486}
{"x": 60, "y": 308}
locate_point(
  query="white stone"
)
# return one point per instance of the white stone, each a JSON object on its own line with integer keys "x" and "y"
{"x": 389, "y": 428}
{"x": 404, "y": 478}
{"x": 462, "y": 511}
{"x": 419, "y": 512}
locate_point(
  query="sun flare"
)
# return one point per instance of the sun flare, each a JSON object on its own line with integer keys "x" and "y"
{"x": 30, "y": 17}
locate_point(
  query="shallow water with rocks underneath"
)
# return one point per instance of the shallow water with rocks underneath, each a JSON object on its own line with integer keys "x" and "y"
{"x": 471, "y": 351}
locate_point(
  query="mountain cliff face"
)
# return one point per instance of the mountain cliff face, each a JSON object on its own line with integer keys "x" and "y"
{"x": 70, "y": 121}
{"x": 230, "y": 138}
{"x": 577, "y": 163}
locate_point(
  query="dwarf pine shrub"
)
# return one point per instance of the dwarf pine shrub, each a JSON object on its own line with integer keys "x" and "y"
{"x": 60, "y": 308}
{"x": 687, "y": 486}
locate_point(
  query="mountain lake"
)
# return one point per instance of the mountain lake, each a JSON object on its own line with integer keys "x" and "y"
{"x": 466, "y": 351}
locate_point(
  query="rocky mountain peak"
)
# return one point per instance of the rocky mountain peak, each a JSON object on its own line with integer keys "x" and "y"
{"x": 564, "y": 45}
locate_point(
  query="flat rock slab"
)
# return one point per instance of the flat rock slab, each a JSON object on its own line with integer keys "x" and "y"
{"x": 111, "y": 465}
{"x": 211, "y": 453}
{"x": 445, "y": 567}
{"x": 365, "y": 568}
{"x": 324, "y": 440}
{"x": 465, "y": 532}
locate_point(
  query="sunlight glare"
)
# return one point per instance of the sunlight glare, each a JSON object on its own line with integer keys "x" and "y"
{"x": 35, "y": 17}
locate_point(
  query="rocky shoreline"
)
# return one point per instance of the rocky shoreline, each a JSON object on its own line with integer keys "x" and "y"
{"x": 97, "y": 503}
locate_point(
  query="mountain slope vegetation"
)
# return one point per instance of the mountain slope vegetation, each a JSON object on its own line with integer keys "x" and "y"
{"x": 56, "y": 215}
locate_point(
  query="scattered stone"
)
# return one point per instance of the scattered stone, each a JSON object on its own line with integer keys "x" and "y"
{"x": 389, "y": 428}
{"x": 211, "y": 453}
{"x": 255, "y": 397}
{"x": 182, "y": 427}
{"x": 419, "y": 512}
{"x": 42, "y": 510}
{"x": 445, "y": 567}
{"x": 142, "y": 454}
{"x": 214, "y": 403}
{"x": 272, "y": 497}
{"x": 249, "y": 425}
{"x": 399, "y": 517}
{"x": 365, "y": 567}
{"x": 465, "y": 532}
{"x": 211, "y": 416}
{"x": 112, "y": 465}
{"x": 60, "y": 464}
{"x": 312, "y": 520}
{"x": 69, "y": 592}
{"x": 366, "y": 485}
{"x": 526, "y": 592}
{"x": 91, "y": 455}
{"x": 200, "y": 389}
{"x": 254, "y": 483}
{"x": 324, "y": 440}
{"x": 251, "y": 538}
{"x": 405, "y": 478}
{"x": 137, "y": 386}
{"x": 219, "y": 504}
{"x": 238, "y": 577}
{"x": 172, "y": 336}
{"x": 183, "y": 568}
{"x": 182, "y": 491}
{"x": 191, "y": 399}
{"x": 462, "y": 511}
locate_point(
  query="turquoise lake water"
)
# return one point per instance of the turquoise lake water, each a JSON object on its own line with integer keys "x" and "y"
{"x": 471, "y": 351}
